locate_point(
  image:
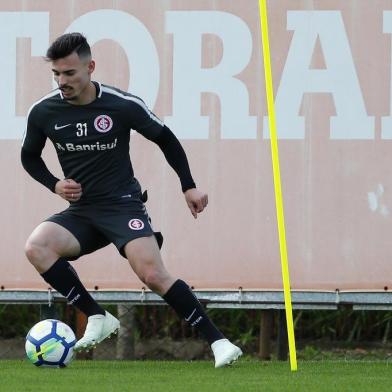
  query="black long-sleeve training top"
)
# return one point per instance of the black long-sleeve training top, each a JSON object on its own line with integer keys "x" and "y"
{"x": 92, "y": 142}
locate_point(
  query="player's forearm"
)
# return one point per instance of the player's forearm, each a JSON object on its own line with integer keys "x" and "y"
{"x": 176, "y": 157}
{"x": 35, "y": 166}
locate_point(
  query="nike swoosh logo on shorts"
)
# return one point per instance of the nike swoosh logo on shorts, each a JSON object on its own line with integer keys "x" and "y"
{"x": 57, "y": 127}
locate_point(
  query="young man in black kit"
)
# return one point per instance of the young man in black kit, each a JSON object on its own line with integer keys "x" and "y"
{"x": 89, "y": 125}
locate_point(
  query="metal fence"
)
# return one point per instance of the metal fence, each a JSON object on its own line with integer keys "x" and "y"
{"x": 156, "y": 332}
{"x": 245, "y": 299}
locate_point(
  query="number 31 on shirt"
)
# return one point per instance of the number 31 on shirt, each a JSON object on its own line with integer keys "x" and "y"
{"x": 82, "y": 129}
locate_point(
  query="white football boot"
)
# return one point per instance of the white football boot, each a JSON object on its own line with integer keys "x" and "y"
{"x": 99, "y": 327}
{"x": 225, "y": 352}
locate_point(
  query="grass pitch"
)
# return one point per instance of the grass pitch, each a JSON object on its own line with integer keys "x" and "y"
{"x": 246, "y": 375}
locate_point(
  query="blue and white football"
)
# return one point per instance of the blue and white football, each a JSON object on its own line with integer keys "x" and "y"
{"x": 50, "y": 343}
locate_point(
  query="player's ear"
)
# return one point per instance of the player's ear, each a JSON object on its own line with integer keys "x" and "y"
{"x": 91, "y": 66}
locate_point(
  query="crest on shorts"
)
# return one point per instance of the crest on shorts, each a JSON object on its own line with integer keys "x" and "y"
{"x": 103, "y": 123}
{"x": 136, "y": 224}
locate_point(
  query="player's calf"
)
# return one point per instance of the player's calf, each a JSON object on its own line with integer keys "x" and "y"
{"x": 63, "y": 278}
{"x": 181, "y": 298}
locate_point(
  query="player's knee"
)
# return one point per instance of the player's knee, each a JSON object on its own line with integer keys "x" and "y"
{"x": 36, "y": 252}
{"x": 32, "y": 251}
{"x": 154, "y": 279}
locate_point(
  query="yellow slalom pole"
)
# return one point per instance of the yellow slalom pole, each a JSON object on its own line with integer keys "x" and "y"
{"x": 277, "y": 183}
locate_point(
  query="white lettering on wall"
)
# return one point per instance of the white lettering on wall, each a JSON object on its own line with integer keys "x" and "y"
{"x": 190, "y": 79}
{"x": 339, "y": 78}
{"x": 136, "y": 41}
{"x": 386, "y": 122}
{"x": 13, "y": 25}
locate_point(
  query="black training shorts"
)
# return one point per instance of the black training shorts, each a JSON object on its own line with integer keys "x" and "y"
{"x": 116, "y": 221}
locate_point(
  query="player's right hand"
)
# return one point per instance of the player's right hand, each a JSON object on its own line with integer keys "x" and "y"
{"x": 69, "y": 189}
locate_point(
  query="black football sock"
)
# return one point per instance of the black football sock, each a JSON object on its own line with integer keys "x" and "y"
{"x": 63, "y": 278}
{"x": 181, "y": 298}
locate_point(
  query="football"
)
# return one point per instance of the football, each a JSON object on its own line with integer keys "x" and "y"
{"x": 50, "y": 343}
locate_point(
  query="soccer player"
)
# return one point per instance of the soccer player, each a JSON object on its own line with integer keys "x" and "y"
{"x": 89, "y": 125}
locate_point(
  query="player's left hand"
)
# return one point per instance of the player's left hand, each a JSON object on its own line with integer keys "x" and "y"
{"x": 196, "y": 201}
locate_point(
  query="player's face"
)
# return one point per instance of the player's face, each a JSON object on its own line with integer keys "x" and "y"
{"x": 73, "y": 75}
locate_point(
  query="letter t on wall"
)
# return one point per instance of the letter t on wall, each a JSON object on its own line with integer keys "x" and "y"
{"x": 34, "y": 25}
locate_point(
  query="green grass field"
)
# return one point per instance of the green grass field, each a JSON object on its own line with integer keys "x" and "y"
{"x": 246, "y": 375}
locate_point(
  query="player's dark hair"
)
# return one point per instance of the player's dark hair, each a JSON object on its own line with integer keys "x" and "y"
{"x": 66, "y": 44}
